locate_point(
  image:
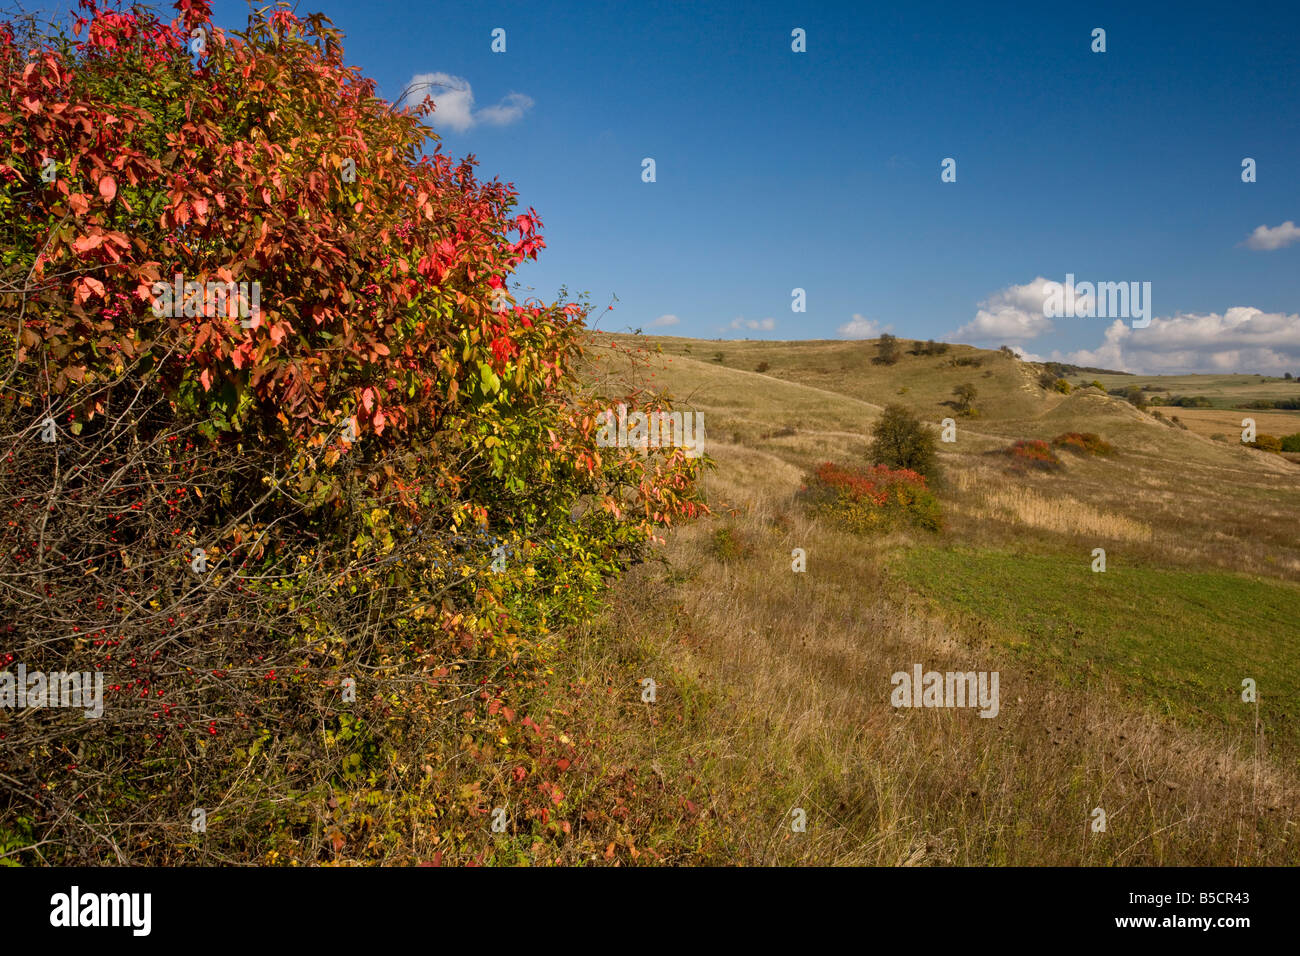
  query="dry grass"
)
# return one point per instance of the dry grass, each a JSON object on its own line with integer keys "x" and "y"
{"x": 774, "y": 686}
{"x": 797, "y": 714}
{"x": 1221, "y": 421}
{"x": 1052, "y": 512}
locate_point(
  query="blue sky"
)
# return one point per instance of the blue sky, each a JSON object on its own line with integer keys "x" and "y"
{"x": 821, "y": 170}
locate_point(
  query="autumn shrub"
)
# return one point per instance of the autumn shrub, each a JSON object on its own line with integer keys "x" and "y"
{"x": 1083, "y": 443}
{"x": 1032, "y": 453}
{"x": 878, "y": 499}
{"x": 319, "y": 548}
{"x": 1266, "y": 442}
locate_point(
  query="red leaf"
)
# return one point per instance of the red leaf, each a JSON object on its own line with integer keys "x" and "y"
{"x": 87, "y": 243}
{"x": 86, "y": 286}
{"x": 108, "y": 188}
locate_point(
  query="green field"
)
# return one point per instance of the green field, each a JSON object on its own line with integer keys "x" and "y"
{"x": 1179, "y": 641}
{"x": 1223, "y": 391}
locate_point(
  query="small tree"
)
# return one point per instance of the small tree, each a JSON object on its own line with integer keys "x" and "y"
{"x": 965, "y": 396}
{"x": 899, "y": 440}
{"x": 888, "y": 353}
{"x": 1136, "y": 397}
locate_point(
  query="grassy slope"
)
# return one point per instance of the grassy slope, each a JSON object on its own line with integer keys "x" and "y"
{"x": 1117, "y": 689}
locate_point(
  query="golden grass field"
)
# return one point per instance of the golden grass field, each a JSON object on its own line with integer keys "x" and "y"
{"x": 1224, "y": 421}
{"x": 1119, "y": 691}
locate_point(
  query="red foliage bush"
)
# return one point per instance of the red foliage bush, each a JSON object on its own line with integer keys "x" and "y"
{"x": 1083, "y": 443}
{"x": 234, "y": 516}
{"x": 876, "y": 498}
{"x": 1033, "y": 453}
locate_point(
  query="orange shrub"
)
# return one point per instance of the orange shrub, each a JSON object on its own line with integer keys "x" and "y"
{"x": 1033, "y": 453}
{"x": 877, "y": 499}
{"x": 1084, "y": 443}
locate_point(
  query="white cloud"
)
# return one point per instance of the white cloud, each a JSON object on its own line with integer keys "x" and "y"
{"x": 511, "y": 108}
{"x": 666, "y": 320}
{"x": 1110, "y": 354}
{"x": 453, "y": 100}
{"x": 1242, "y": 339}
{"x": 1014, "y": 314}
{"x": 1273, "y": 238}
{"x": 765, "y": 325}
{"x": 860, "y": 327}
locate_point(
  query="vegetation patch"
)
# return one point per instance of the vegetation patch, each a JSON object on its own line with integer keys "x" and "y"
{"x": 1032, "y": 453}
{"x": 1084, "y": 443}
{"x": 1181, "y": 641}
{"x": 878, "y": 499}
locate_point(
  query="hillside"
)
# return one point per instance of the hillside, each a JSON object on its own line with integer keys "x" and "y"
{"x": 1119, "y": 690}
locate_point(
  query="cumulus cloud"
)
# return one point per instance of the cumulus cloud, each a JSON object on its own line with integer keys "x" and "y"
{"x": 666, "y": 320}
{"x": 860, "y": 327}
{"x": 1276, "y": 237}
{"x": 453, "y": 100}
{"x": 765, "y": 325}
{"x": 1242, "y": 339}
{"x": 1014, "y": 314}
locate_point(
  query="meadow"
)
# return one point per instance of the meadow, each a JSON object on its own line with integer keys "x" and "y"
{"x": 1121, "y": 690}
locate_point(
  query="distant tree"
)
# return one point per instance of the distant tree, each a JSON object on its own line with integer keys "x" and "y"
{"x": 1287, "y": 376}
{"x": 965, "y": 395}
{"x": 899, "y": 440}
{"x": 887, "y": 350}
{"x": 1136, "y": 397}
{"x": 930, "y": 347}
